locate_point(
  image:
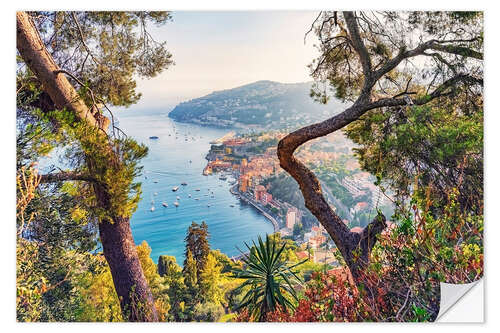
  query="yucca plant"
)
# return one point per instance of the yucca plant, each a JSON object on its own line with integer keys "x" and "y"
{"x": 270, "y": 278}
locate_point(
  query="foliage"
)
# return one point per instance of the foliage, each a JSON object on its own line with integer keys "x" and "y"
{"x": 387, "y": 34}
{"x": 55, "y": 267}
{"x": 327, "y": 298}
{"x": 167, "y": 265}
{"x": 407, "y": 264}
{"x": 156, "y": 283}
{"x": 197, "y": 243}
{"x": 52, "y": 250}
{"x": 101, "y": 302}
{"x": 210, "y": 279}
{"x": 177, "y": 290}
{"x": 208, "y": 312}
{"x": 270, "y": 278}
{"x": 106, "y": 50}
{"x": 438, "y": 146}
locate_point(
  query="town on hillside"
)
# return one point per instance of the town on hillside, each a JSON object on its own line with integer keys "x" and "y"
{"x": 250, "y": 163}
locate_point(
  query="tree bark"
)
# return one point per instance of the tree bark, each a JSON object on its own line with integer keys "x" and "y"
{"x": 136, "y": 300}
{"x": 356, "y": 247}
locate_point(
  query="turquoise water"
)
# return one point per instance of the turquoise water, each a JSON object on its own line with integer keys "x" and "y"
{"x": 167, "y": 165}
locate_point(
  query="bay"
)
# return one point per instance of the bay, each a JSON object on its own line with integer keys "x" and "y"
{"x": 172, "y": 160}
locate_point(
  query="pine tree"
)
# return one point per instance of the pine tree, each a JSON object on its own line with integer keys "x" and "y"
{"x": 197, "y": 244}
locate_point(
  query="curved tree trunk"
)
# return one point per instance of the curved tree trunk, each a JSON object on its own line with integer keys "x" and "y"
{"x": 136, "y": 301}
{"x": 356, "y": 247}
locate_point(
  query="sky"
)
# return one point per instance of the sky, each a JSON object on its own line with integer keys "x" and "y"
{"x": 222, "y": 50}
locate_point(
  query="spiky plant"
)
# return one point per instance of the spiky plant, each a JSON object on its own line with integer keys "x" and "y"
{"x": 270, "y": 278}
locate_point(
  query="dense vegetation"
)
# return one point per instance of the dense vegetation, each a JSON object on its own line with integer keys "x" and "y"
{"x": 425, "y": 143}
{"x": 60, "y": 111}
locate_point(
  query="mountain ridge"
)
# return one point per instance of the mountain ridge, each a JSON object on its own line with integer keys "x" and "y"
{"x": 264, "y": 104}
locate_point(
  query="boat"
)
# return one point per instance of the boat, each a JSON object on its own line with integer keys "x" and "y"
{"x": 197, "y": 199}
{"x": 176, "y": 204}
{"x": 156, "y": 193}
{"x": 231, "y": 205}
{"x": 164, "y": 204}
{"x": 189, "y": 195}
{"x": 175, "y": 188}
{"x": 184, "y": 183}
{"x": 152, "y": 208}
{"x": 197, "y": 190}
{"x": 222, "y": 177}
{"x": 154, "y": 137}
{"x": 178, "y": 198}
{"x": 208, "y": 205}
{"x": 156, "y": 182}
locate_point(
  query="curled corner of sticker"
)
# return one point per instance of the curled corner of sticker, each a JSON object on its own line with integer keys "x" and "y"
{"x": 451, "y": 294}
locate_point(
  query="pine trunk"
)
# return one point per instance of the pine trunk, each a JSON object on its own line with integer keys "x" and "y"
{"x": 136, "y": 301}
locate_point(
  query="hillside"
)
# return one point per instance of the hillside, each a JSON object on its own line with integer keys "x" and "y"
{"x": 262, "y": 104}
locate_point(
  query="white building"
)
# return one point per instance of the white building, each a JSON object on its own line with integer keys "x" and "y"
{"x": 291, "y": 219}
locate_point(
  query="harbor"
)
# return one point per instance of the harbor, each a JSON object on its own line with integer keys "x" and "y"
{"x": 172, "y": 162}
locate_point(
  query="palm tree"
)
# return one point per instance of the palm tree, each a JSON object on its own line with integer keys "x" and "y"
{"x": 270, "y": 278}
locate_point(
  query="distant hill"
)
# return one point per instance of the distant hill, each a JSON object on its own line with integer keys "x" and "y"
{"x": 262, "y": 104}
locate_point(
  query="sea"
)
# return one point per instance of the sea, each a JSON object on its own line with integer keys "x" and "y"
{"x": 177, "y": 156}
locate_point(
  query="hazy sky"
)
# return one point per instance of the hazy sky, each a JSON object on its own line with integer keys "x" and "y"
{"x": 221, "y": 50}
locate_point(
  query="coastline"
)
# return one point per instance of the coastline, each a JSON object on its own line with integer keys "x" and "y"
{"x": 275, "y": 224}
